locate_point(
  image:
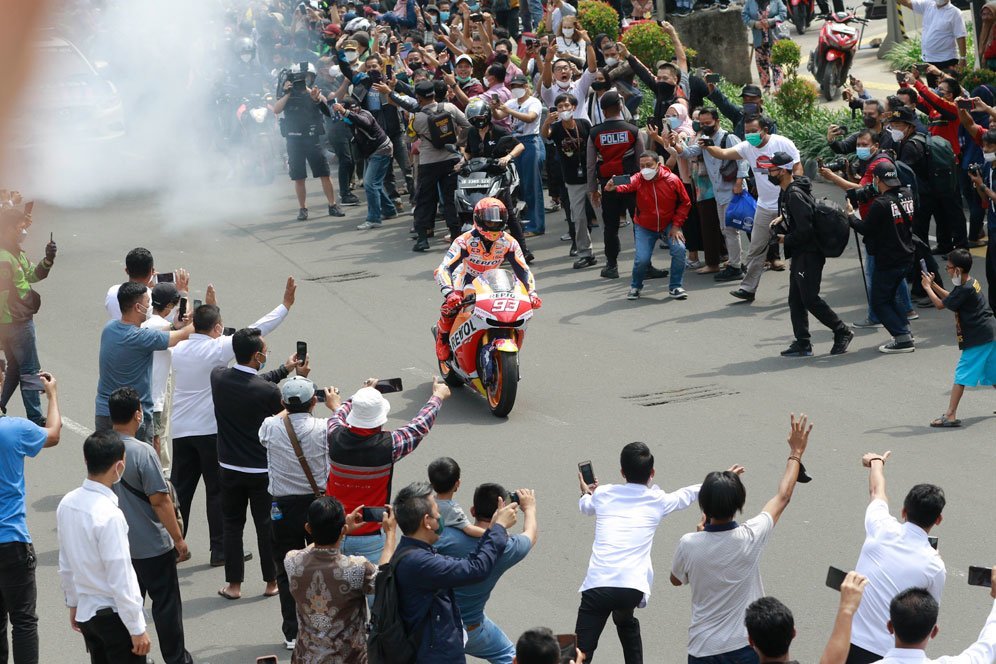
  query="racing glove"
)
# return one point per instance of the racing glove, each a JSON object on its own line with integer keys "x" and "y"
{"x": 453, "y": 300}
{"x": 535, "y": 300}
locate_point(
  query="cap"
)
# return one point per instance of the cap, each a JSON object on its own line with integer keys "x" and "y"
{"x": 780, "y": 159}
{"x": 369, "y": 410}
{"x": 750, "y": 90}
{"x": 165, "y": 294}
{"x": 425, "y": 89}
{"x": 886, "y": 171}
{"x": 520, "y": 81}
{"x": 904, "y": 114}
{"x": 463, "y": 57}
{"x": 332, "y": 30}
{"x": 350, "y": 45}
{"x": 609, "y": 100}
{"x": 297, "y": 390}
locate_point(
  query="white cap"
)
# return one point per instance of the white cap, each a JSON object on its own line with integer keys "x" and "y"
{"x": 297, "y": 390}
{"x": 369, "y": 410}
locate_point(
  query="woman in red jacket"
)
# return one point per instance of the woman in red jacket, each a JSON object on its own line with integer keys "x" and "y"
{"x": 940, "y": 108}
{"x": 662, "y": 206}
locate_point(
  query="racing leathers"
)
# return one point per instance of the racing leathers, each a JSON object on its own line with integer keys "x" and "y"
{"x": 470, "y": 256}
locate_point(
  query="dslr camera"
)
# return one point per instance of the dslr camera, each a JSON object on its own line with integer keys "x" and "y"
{"x": 862, "y": 195}
{"x": 838, "y": 165}
{"x": 975, "y": 169}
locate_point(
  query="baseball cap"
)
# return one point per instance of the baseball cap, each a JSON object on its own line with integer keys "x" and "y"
{"x": 425, "y": 89}
{"x": 780, "y": 159}
{"x": 904, "y": 114}
{"x": 297, "y": 390}
{"x": 164, "y": 294}
{"x": 886, "y": 172}
{"x": 609, "y": 99}
{"x": 463, "y": 57}
{"x": 520, "y": 81}
{"x": 750, "y": 90}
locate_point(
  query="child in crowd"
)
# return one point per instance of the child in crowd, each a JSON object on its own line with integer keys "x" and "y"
{"x": 444, "y": 476}
{"x": 974, "y": 327}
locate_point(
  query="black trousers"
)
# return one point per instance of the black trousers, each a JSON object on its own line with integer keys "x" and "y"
{"x": 991, "y": 271}
{"x": 597, "y": 604}
{"x": 614, "y": 206}
{"x": 945, "y": 208}
{"x": 195, "y": 457}
{"x": 157, "y": 578}
{"x": 241, "y": 490}
{"x": 805, "y": 276}
{"x": 858, "y": 655}
{"x": 107, "y": 640}
{"x": 976, "y": 213}
{"x": 289, "y": 535}
{"x": 435, "y": 180}
{"x": 17, "y": 602}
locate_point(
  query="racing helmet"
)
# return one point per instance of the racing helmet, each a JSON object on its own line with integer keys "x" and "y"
{"x": 490, "y": 218}
{"x": 245, "y": 49}
{"x": 305, "y": 69}
{"x": 358, "y": 23}
{"x": 478, "y": 113}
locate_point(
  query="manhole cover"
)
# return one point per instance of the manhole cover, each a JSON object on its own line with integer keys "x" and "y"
{"x": 345, "y": 276}
{"x": 680, "y": 395}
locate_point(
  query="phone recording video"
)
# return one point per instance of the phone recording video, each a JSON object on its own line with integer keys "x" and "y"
{"x": 388, "y": 385}
{"x": 923, "y": 266}
{"x": 197, "y": 304}
{"x": 620, "y": 179}
{"x": 164, "y": 277}
{"x": 228, "y": 331}
{"x": 712, "y": 78}
{"x": 183, "y": 308}
{"x": 568, "y": 647}
{"x": 513, "y": 497}
{"x": 933, "y": 543}
{"x": 32, "y": 383}
{"x": 980, "y": 576}
{"x": 835, "y": 577}
{"x": 373, "y": 514}
{"x": 302, "y": 352}
{"x": 587, "y": 472}
{"x": 966, "y": 104}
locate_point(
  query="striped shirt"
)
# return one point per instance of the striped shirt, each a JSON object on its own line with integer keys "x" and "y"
{"x": 403, "y": 440}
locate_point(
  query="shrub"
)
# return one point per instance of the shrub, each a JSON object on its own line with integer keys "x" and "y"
{"x": 648, "y": 42}
{"x": 786, "y": 53}
{"x": 798, "y": 96}
{"x": 597, "y": 17}
{"x": 691, "y": 54}
{"x": 977, "y": 77}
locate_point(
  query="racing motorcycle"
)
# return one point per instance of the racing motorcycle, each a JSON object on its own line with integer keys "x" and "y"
{"x": 831, "y": 62}
{"x": 487, "y": 334}
{"x": 261, "y": 148}
{"x": 482, "y": 177}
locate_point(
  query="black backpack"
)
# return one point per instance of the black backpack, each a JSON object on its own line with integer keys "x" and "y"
{"x": 940, "y": 163}
{"x": 831, "y": 227}
{"x": 442, "y": 128}
{"x": 388, "y": 641}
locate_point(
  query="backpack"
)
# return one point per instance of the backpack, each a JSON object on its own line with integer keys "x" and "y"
{"x": 831, "y": 227}
{"x": 905, "y": 174}
{"x": 442, "y": 129}
{"x": 940, "y": 162}
{"x": 729, "y": 169}
{"x": 388, "y": 642}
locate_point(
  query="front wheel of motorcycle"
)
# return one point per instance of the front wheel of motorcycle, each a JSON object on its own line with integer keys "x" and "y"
{"x": 449, "y": 376}
{"x": 501, "y": 391}
{"x": 800, "y": 22}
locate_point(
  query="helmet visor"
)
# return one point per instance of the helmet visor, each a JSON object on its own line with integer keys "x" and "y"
{"x": 491, "y": 218}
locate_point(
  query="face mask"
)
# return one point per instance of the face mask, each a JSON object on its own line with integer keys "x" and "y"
{"x": 444, "y": 16}
{"x": 709, "y": 131}
{"x": 171, "y": 316}
{"x": 673, "y": 122}
{"x": 956, "y": 279}
{"x": 940, "y": 3}
{"x": 696, "y": 127}
{"x": 118, "y": 474}
{"x": 439, "y": 526}
{"x": 774, "y": 179}
{"x": 520, "y": 93}
{"x": 351, "y": 56}
{"x": 564, "y": 85}
{"x": 870, "y": 121}
{"x": 750, "y": 108}
{"x": 896, "y": 134}
{"x": 501, "y": 58}
{"x": 754, "y": 138}
{"x": 246, "y": 57}
{"x": 599, "y": 86}
{"x": 990, "y": 157}
{"x": 473, "y": 7}
{"x": 567, "y": 115}
{"x": 568, "y": 32}
{"x": 263, "y": 363}
{"x": 863, "y": 153}
{"x": 24, "y": 234}
{"x": 609, "y": 61}
{"x": 648, "y": 173}
{"x": 665, "y": 91}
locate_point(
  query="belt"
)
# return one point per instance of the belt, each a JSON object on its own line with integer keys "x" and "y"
{"x": 106, "y": 611}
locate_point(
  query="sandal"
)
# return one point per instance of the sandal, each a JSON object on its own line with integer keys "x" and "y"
{"x": 227, "y": 596}
{"x": 943, "y": 422}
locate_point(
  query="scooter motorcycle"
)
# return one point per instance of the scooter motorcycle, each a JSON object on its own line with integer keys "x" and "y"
{"x": 801, "y": 13}
{"x": 831, "y": 62}
{"x": 481, "y": 178}
{"x": 261, "y": 147}
{"x": 486, "y": 338}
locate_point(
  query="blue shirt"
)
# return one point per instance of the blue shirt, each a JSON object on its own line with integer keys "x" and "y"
{"x": 471, "y": 599}
{"x": 126, "y": 361}
{"x": 18, "y": 438}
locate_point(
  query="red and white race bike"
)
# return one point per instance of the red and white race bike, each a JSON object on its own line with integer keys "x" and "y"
{"x": 486, "y": 337}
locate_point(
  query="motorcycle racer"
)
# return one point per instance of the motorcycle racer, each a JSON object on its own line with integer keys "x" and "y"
{"x": 486, "y": 247}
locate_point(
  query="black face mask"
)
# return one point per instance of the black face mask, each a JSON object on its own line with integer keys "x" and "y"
{"x": 600, "y": 86}
{"x": 665, "y": 91}
{"x": 870, "y": 121}
{"x": 501, "y": 58}
{"x": 708, "y": 131}
{"x": 775, "y": 179}
{"x": 751, "y": 108}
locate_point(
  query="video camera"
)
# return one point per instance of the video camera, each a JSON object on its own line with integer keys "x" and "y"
{"x": 299, "y": 80}
{"x": 975, "y": 169}
{"x": 862, "y": 195}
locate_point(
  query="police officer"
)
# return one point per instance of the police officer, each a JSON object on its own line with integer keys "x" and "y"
{"x": 303, "y": 126}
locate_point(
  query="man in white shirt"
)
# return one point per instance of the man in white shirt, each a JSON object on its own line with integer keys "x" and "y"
{"x": 759, "y": 142}
{"x": 165, "y": 298}
{"x": 557, "y": 78}
{"x": 943, "y": 38}
{"x": 95, "y": 569}
{"x": 722, "y": 560}
{"x": 895, "y": 557}
{"x": 525, "y": 111}
{"x": 620, "y": 572}
{"x": 140, "y": 268}
{"x": 194, "y": 429}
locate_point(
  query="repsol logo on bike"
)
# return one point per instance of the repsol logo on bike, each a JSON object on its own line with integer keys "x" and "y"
{"x": 614, "y": 138}
{"x": 465, "y": 330}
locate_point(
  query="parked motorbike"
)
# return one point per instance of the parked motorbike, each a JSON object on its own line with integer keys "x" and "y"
{"x": 801, "y": 13}
{"x": 831, "y": 62}
{"x": 261, "y": 151}
{"x": 486, "y": 337}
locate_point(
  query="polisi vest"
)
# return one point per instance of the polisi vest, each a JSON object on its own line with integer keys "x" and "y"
{"x": 615, "y": 145}
{"x": 362, "y": 470}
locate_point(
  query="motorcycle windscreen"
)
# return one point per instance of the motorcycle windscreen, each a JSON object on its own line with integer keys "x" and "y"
{"x": 498, "y": 281}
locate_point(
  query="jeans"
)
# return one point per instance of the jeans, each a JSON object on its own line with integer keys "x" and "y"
{"x": 805, "y": 276}
{"x": 22, "y": 359}
{"x": 240, "y": 490}
{"x": 597, "y": 604}
{"x": 17, "y": 602}
{"x": 195, "y": 457}
{"x": 157, "y": 578}
{"x": 107, "y": 640}
{"x": 373, "y": 184}
{"x": 487, "y": 641}
{"x": 745, "y": 655}
{"x": 886, "y": 300}
{"x": 288, "y": 534}
{"x": 902, "y": 294}
{"x": 368, "y": 546}
{"x": 644, "y": 240}
{"x": 530, "y": 165}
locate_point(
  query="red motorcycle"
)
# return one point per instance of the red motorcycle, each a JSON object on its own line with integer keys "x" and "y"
{"x": 831, "y": 62}
{"x": 801, "y": 13}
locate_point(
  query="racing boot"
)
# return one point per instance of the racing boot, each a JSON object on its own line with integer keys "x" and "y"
{"x": 443, "y": 328}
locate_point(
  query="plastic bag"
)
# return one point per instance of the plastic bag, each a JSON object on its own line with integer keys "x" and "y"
{"x": 740, "y": 212}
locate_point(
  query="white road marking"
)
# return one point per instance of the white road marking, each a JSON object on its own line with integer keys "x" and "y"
{"x": 76, "y": 427}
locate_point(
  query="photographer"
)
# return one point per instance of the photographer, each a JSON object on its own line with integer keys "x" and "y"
{"x": 302, "y": 126}
{"x": 794, "y": 228}
{"x": 873, "y": 110}
{"x": 376, "y": 149}
{"x": 887, "y": 227}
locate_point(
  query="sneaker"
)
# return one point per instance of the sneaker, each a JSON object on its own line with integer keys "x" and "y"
{"x": 585, "y": 261}
{"x": 678, "y": 293}
{"x": 741, "y": 294}
{"x": 777, "y": 266}
{"x": 291, "y": 644}
{"x": 693, "y": 265}
{"x": 610, "y": 272}
{"x": 798, "y": 349}
{"x": 390, "y": 215}
{"x": 552, "y": 207}
{"x": 532, "y": 234}
{"x": 912, "y": 315}
{"x": 302, "y": 214}
{"x": 654, "y": 273}
{"x": 528, "y": 255}
{"x": 421, "y": 245}
{"x": 367, "y": 225}
{"x": 866, "y": 323}
{"x": 349, "y": 199}
{"x": 729, "y": 273}
{"x": 566, "y": 237}
{"x": 841, "y": 340}
{"x": 897, "y": 347}
{"x": 724, "y": 6}
{"x": 334, "y": 211}
{"x": 574, "y": 250}
{"x": 634, "y": 294}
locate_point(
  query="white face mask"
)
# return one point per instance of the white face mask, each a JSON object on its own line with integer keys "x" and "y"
{"x": 648, "y": 173}
{"x": 567, "y": 115}
{"x": 520, "y": 93}
{"x": 351, "y": 56}
{"x": 990, "y": 157}
{"x": 896, "y": 134}
{"x": 940, "y": 3}
{"x": 956, "y": 279}
{"x": 118, "y": 474}
{"x": 609, "y": 61}
{"x": 568, "y": 32}
{"x": 246, "y": 57}
{"x": 564, "y": 85}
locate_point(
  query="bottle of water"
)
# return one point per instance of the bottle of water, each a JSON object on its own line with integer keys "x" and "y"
{"x": 275, "y": 513}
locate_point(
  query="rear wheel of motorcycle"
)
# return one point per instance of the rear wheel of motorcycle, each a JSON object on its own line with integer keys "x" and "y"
{"x": 501, "y": 392}
{"x": 449, "y": 376}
